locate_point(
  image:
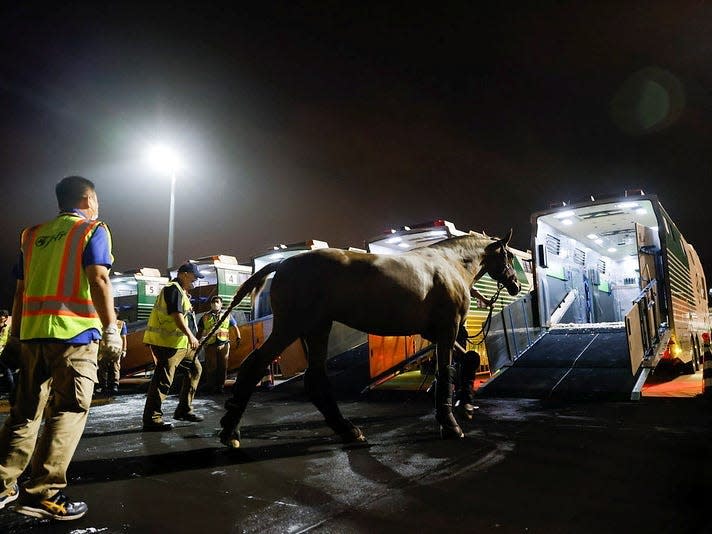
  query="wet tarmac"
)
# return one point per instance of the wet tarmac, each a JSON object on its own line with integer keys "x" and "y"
{"x": 525, "y": 467}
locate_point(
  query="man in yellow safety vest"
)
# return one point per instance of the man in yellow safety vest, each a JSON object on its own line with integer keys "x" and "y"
{"x": 62, "y": 312}
{"x": 6, "y": 367}
{"x": 217, "y": 347}
{"x": 171, "y": 334}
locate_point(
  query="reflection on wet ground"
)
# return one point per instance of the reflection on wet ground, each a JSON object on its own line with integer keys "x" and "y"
{"x": 586, "y": 464}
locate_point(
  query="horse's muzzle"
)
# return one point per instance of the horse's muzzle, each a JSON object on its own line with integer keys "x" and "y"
{"x": 513, "y": 287}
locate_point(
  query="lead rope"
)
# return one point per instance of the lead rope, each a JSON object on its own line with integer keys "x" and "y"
{"x": 488, "y": 321}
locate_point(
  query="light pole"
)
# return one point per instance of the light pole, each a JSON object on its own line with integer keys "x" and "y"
{"x": 164, "y": 158}
{"x": 171, "y": 220}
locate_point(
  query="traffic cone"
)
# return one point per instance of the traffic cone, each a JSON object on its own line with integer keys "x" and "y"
{"x": 707, "y": 367}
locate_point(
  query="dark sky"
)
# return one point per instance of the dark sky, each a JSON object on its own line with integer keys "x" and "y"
{"x": 337, "y": 123}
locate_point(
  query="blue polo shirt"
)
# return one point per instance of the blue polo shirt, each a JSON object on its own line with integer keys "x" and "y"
{"x": 96, "y": 252}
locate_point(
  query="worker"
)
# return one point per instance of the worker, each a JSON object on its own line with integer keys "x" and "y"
{"x": 110, "y": 365}
{"x": 171, "y": 335}
{"x": 217, "y": 346}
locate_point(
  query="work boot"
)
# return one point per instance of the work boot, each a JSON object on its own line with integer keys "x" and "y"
{"x": 156, "y": 426}
{"x": 188, "y": 416}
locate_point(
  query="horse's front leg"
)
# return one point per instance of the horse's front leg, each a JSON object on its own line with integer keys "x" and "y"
{"x": 449, "y": 427}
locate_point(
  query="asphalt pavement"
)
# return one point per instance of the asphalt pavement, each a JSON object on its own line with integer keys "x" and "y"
{"x": 525, "y": 466}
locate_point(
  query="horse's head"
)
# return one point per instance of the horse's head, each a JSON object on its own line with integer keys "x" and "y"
{"x": 497, "y": 262}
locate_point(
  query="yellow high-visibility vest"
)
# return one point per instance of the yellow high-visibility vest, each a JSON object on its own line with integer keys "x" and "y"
{"x": 222, "y": 333}
{"x": 57, "y": 302}
{"x": 4, "y": 334}
{"x": 162, "y": 329}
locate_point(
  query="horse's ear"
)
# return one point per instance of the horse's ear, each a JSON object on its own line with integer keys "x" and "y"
{"x": 505, "y": 241}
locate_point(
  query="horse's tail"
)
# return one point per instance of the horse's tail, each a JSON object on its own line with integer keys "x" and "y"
{"x": 254, "y": 282}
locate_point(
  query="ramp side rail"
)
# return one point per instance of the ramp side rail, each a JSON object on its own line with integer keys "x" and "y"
{"x": 511, "y": 333}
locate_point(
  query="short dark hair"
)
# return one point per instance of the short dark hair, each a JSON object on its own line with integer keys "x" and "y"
{"x": 4, "y": 313}
{"x": 215, "y": 298}
{"x": 71, "y": 190}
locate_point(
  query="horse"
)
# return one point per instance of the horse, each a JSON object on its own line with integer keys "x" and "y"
{"x": 424, "y": 291}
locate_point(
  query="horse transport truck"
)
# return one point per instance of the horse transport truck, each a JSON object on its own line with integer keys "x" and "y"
{"x": 618, "y": 293}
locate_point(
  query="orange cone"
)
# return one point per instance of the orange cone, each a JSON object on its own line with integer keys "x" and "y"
{"x": 707, "y": 367}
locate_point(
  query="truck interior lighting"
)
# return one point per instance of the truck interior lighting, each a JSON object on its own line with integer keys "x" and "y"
{"x": 564, "y": 214}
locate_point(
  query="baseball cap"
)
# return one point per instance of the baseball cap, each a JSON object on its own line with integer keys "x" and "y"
{"x": 190, "y": 268}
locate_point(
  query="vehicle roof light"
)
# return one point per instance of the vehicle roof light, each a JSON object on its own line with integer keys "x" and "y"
{"x": 564, "y": 214}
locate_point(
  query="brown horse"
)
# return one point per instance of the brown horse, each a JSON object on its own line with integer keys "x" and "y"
{"x": 424, "y": 291}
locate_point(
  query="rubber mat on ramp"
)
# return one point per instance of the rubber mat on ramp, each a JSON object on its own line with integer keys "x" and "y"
{"x": 584, "y": 365}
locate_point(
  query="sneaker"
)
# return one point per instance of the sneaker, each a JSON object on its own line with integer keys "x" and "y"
{"x": 156, "y": 426}
{"x": 9, "y": 495}
{"x": 190, "y": 416}
{"x": 56, "y": 507}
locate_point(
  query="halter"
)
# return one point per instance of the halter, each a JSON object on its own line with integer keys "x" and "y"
{"x": 506, "y": 274}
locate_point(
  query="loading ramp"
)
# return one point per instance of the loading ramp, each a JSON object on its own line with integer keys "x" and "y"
{"x": 579, "y": 362}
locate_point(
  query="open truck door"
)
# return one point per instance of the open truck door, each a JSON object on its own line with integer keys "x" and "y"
{"x": 643, "y": 320}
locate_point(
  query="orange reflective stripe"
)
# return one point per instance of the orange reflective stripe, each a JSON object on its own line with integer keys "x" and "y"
{"x": 66, "y": 311}
{"x": 71, "y": 258}
{"x": 78, "y": 251}
{"x": 55, "y": 305}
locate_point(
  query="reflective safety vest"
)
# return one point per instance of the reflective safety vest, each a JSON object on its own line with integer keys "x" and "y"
{"x": 57, "y": 302}
{"x": 4, "y": 334}
{"x": 222, "y": 334}
{"x": 161, "y": 329}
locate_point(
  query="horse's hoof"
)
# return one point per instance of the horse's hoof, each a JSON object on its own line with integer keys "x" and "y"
{"x": 230, "y": 439}
{"x": 449, "y": 432}
{"x": 468, "y": 411}
{"x": 353, "y": 435}
{"x": 449, "y": 429}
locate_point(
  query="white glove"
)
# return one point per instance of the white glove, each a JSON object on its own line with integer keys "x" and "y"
{"x": 111, "y": 343}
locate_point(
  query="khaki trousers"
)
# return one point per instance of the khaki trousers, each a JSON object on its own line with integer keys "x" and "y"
{"x": 216, "y": 366}
{"x": 109, "y": 370}
{"x": 57, "y": 379}
{"x": 167, "y": 361}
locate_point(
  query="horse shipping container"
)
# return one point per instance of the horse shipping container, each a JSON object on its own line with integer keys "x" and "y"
{"x": 618, "y": 293}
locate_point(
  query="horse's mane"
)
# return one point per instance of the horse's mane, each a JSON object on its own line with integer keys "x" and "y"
{"x": 483, "y": 240}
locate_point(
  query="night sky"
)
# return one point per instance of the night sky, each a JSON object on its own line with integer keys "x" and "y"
{"x": 338, "y": 123}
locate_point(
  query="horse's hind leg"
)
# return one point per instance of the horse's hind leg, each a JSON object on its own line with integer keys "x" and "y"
{"x": 249, "y": 373}
{"x": 318, "y": 388}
